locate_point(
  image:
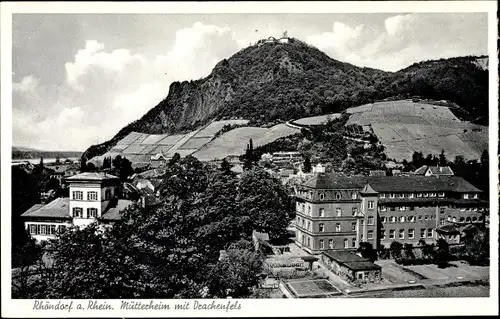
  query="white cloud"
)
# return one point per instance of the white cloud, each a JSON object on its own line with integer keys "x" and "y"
{"x": 399, "y": 24}
{"x": 106, "y": 90}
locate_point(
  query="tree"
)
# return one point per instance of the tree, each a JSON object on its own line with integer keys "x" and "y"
{"x": 125, "y": 169}
{"x": 408, "y": 249}
{"x": 58, "y": 160}
{"x": 427, "y": 250}
{"x": 225, "y": 167}
{"x": 175, "y": 159}
{"x": 91, "y": 167}
{"x": 442, "y": 254}
{"x": 249, "y": 159}
{"x": 83, "y": 164}
{"x": 442, "y": 159}
{"x": 307, "y": 163}
{"x": 237, "y": 272}
{"x": 367, "y": 251}
{"x": 53, "y": 183}
{"x": 266, "y": 200}
{"x": 395, "y": 249}
{"x": 106, "y": 163}
{"x": 117, "y": 161}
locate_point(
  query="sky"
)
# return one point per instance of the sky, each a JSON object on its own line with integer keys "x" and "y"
{"x": 79, "y": 78}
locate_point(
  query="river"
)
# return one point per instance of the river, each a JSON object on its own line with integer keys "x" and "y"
{"x": 45, "y": 160}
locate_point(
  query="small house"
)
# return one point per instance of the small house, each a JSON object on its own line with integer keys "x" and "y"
{"x": 351, "y": 267}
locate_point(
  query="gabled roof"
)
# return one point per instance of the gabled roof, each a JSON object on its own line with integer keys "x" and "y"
{"x": 343, "y": 256}
{"x": 91, "y": 176}
{"x": 435, "y": 170}
{"x": 114, "y": 213}
{"x": 335, "y": 181}
{"x": 368, "y": 190}
{"x": 418, "y": 183}
{"x": 421, "y": 170}
{"x": 58, "y": 208}
{"x": 447, "y": 229}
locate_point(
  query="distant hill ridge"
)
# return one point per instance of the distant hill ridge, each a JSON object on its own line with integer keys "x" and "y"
{"x": 270, "y": 83}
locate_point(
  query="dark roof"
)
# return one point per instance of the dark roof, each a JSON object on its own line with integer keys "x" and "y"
{"x": 377, "y": 173}
{"x": 94, "y": 176}
{"x": 343, "y": 256}
{"x": 351, "y": 260}
{"x": 368, "y": 190}
{"x": 447, "y": 229}
{"x": 362, "y": 265}
{"x": 417, "y": 183}
{"x": 335, "y": 181}
{"x": 114, "y": 213}
{"x": 58, "y": 208}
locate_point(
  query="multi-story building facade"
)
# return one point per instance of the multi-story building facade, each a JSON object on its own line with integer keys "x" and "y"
{"x": 93, "y": 198}
{"x": 337, "y": 212}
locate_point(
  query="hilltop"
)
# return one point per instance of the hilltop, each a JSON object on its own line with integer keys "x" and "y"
{"x": 269, "y": 83}
{"x": 19, "y": 152}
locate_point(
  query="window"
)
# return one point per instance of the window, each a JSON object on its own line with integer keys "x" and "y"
{"x": 354, "y": 195}
{"x": 426, "y": 194}
{"x": 382, "y": 208}
{"x": 78, "y": 195}
{"x": 308, "y": 225}
{"x": 92, "y": 195}
{"x": 467, "y": 219}
{"x": 432, "y": 195}
{"x": 382, "y": 235}
{"x": 422, "y": 232}
{"x": 370, "y": 234}
{"x": 391, "y": 233}
{"x": 32, "y": 229}
{"x": 401, "y": 219}
{"x": 92, "y": 212}
{"x": 449, "y": 218}
{"x": 354, "y": 243}
{"x": 107, "y": 194}
{"x": 466, "y": 196}
{"x": 321, "y": 228}
{"x": 475, "y": 196}
{"x": 474, "y": 218}
{"x": 393, "y": 208}
{"x": 411, "y": 233}
{"x": 330, "y": 243}
{"x": 441, "y": 221}
{"x": 43, "y": 229}
{"x": 321, "y": 244}
{"x": 412, "y": 207}
{"x": 426, "y": 217}
{"x": 339, "y": 211}
{"x": 384, "y": 219}
{"x": 382, "y": 195}
{"x": 462, "y": 209}
{"x": 401, "y": 195}
{"x": 419, "y": 194}
{"x": 353, "y": 226}
{"x": 455, "y": 219}
{"x": 392, "y": 195}
{"x": 354, "y": 211}
{"x": 392, "y": 219}
{"x": 309, "y": 209}
{"x": 402, "y": 208}
{"x": 321, "y": 212}
{"x": 441, "y": 210}
{"x": 62, "y": 228}
{"x": 401, "y": 234}
{"x": 429, "y": 233}
{"x": 420, "y": 217}
{"x": 441, "y": 194}
{"x": 410, "y": 195}
{"x": 77, "y": 212}
{"x": 411, "y": 219}
{"x": 433, "y": 216}
{"x": 370, "y": 220}
{"x": 337, "y": 227}
{"x": 338, "y": 196}
{"x": 462, "y": 219}
{"x": 346, "y": 243}
{"x": 362, "y": 222}
{"x": 308, "y": 241}
{"x": 321, "y": 196}
{"x": 371, "y": 205}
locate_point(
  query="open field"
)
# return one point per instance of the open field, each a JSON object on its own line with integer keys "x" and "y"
{"x": 317, "y": 120}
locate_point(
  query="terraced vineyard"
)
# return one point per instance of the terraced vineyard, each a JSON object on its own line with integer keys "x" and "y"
{"x": 405, "y": 126}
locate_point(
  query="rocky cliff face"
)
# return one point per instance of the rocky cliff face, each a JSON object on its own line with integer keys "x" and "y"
{"x": 274, "y": 82}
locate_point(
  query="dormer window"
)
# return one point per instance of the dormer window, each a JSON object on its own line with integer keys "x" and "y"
{"x": 419, "y": 194}
{"x": 426, "y": 194}
{"x": 410, "y": 195}
{"x": 393, "y": 195}
{"x": 466, "y": 196}
{"x": 338, "y": 196}
{"x": 441, "y": 194}
{"x": 321, "y": 196}
{"x": 432, "y": 195}
{"x": 354, "y": 195}
{"x": 475, "y": 196}
{"x": 382, "y": 195}
{"x": 401, "y": 195}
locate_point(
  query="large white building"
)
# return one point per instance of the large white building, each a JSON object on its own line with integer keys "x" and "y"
{"x": 93, "y": 198}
